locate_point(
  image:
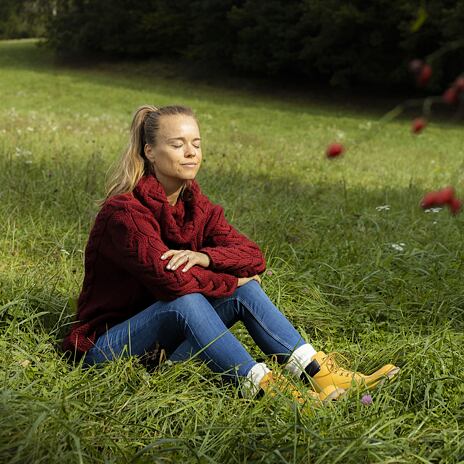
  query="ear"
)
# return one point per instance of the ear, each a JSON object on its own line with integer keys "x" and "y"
{"x": 147, "y": 149}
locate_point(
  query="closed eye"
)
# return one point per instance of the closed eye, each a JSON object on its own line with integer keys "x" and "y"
{"x": 180, "y": 146}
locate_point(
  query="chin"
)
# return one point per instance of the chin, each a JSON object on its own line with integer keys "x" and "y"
{"x": 189, "y": 176}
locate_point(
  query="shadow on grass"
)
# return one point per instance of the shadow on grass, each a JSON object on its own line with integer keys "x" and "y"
{"x": 181, "y": 79}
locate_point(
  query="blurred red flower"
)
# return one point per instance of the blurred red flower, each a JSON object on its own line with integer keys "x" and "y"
{"x": 445, "y": 196}
{"x": 430, "y": 200}
{"x": 455, "y": 206}
{"x": 450, "y": 96}
{"x": 424, "y": 75}
{"x": 459, "y": 84}
{"x": 418, "y": 125}
{"x": 334, "y": 150}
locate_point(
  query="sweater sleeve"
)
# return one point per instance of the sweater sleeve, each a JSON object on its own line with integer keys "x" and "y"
{"x": 134, "y": 242}
{"x": 229, "y": 250}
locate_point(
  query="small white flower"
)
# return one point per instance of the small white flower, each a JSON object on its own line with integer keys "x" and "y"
{"x": 382, "y": 208}
{"x": 433, "y": 210}
{"x": 398, "y": 246}
{"x": 22, "y": 152}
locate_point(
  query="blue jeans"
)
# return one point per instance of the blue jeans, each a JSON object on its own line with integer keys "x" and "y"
{"x": 194, "y": 324}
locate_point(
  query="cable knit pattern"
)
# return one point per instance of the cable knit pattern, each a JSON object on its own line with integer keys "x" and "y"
{"x": 124, "y": 272}
{"x": 230, "y": 250}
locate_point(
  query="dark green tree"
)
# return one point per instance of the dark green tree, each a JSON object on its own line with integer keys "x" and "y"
{"x": 344, "y": 43}
{"x": 24, "y": 18}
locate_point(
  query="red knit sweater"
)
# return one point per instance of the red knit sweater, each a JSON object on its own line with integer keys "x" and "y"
{"x": 124, "y": 272}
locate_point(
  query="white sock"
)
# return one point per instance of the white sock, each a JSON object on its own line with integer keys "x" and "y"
{"x": 252, "y": 379}
{"x": 299, "y": 359}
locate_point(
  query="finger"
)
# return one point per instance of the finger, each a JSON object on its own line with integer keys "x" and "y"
{"x": 178, "y": 261}
{"x": 190, "y": 264}
{"x": 169, "y": 253}
{"x": 175, "y": 256}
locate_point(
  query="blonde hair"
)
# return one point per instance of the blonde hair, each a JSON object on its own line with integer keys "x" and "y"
{"x": 133, "y": 163}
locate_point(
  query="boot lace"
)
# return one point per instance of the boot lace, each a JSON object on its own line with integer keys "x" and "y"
{"x": 285, "y": 386}
{"x": 331, "y": 362}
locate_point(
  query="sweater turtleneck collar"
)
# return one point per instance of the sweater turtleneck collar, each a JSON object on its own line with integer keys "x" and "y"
{"x": 179, "y": 223}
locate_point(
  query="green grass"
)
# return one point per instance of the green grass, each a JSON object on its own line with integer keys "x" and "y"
{"x": 334, "y": 274}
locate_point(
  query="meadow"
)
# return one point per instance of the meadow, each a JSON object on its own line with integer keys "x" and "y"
{"x": 353, "y": 262}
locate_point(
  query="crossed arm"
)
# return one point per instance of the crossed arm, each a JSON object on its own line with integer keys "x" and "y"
{"x": 193, "y": 258}
{"x": 228, "y": 261}
{"x": 225, "y": 250}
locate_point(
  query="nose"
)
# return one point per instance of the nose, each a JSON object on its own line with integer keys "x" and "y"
{"x": 190, "y": 151}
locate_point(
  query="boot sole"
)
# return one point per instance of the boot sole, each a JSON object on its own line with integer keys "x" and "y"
{"x": 393, "y": 372}
{"x": 389, "y": 375}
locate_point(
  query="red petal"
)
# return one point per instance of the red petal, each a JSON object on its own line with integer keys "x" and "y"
{"x": 446, "y": 194}
{"x": 430, "y": 200}
{"x": 418, "y": 124}
{"x": 425, "y": 75}
{"x": 459, "y": 84}
{"x": 455, "y": 206}
{"x": 450, "y": 96}
{"x": 334, "y": 150}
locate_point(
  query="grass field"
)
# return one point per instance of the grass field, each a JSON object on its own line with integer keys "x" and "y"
{"x": 374, "y": 284}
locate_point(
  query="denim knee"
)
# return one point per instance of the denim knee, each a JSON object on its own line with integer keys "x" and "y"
{"x": 192, "y": 306}
{"x": 251, "y": 289}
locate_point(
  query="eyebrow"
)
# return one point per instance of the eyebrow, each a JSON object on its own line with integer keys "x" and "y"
{"x": 182, "y": 138}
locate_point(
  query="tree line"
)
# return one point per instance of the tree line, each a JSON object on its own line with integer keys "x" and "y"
{"x": 21, "y": 19}
{"x": 343, "y": 43}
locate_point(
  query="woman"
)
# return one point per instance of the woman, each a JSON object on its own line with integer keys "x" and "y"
{"x": 163, "y": 268}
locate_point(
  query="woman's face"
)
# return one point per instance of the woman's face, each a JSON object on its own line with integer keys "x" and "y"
{"x": 177, "y": 153}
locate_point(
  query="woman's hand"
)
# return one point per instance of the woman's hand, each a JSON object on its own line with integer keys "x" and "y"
{"x": 244, "y": 280}
{"x": 190, "y": 257}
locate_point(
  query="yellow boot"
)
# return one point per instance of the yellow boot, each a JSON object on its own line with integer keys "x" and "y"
{"x": 326, "y": 373}
{"x": 274, "y": 384}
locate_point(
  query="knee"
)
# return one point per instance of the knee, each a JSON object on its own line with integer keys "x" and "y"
{"x": 191, "y": 305}
{"x": 251, "y": 289}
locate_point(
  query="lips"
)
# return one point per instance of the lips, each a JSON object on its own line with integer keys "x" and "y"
{"x": 190, "y": 164}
